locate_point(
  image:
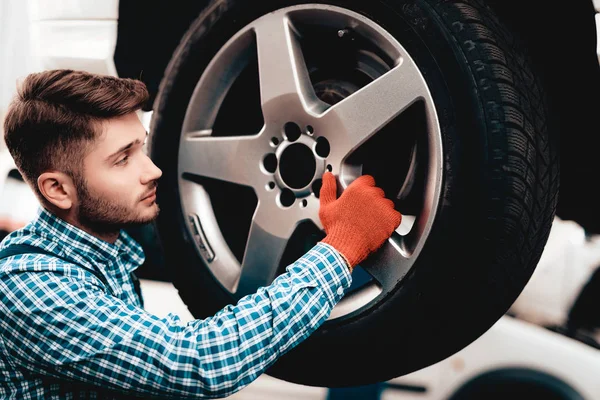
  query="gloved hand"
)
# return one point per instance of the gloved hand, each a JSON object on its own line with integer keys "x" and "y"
{"x": 360, "y": 221}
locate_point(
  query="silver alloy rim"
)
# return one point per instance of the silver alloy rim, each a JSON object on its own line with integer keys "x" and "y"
{"x": 287, "y": 95}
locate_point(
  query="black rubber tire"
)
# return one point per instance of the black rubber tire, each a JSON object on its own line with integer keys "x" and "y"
{"x": 516, "y": 384}
{"x": 499, "y": 191}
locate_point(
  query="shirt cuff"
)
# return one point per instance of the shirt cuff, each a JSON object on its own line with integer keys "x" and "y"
{"x": 327, "y": 267}
{"x": 339, "y": 253}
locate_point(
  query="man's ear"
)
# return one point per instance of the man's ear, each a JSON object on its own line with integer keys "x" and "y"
{"x": 58, "y": 189}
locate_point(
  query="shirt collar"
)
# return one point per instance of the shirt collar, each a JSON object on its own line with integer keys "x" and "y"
{"x": 77, "y": 244}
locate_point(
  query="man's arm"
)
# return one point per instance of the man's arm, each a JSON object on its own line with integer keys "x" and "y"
{"x": 56, "y": 326}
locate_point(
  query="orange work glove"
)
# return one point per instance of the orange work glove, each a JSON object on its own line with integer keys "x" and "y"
{"x": 360, "y": 221}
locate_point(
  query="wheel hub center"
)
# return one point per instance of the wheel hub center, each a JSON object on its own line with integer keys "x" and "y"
{"x": 297, "y": 166}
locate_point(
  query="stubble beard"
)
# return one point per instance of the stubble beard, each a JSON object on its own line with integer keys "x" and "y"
{"x": 103, "y": 216}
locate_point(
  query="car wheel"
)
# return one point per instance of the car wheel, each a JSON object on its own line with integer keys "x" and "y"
{"x": 435, "y": 99}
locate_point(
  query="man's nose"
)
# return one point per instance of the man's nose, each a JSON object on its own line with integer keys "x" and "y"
{"x": 152, "y": 172}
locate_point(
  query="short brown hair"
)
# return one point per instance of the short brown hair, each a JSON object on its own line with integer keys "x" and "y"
{"x": 57, "y": 114}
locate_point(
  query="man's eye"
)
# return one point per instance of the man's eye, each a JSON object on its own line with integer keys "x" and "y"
{"x": 122, "y": 161}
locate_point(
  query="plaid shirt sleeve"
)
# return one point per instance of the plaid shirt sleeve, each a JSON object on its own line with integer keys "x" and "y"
{"x": 66, "y": 328}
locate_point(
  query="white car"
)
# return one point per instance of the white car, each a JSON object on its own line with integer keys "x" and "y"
{"x": 470, "y": 115}
{"x": 514, "y": 359}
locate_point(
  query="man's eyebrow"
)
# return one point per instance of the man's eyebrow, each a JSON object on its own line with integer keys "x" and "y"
{"x": 126, "y": 147}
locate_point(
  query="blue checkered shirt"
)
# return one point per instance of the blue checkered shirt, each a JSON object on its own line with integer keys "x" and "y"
{"x": 65, "y": 334}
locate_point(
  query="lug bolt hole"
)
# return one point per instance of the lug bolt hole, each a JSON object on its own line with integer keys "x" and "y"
{"x": 287, "y": 197}
{"x": 274, "y": 141}
{"x": 304, "y": 203}
{"x": 270, "y": 162}
{"x": 310, "y": 130}
{"x": 270, "y": 185}
{"x": 329, "y": 167}
{"x": 322, "y": 147}
{"x": 316, "y": 187}
{"x": 292, "y": 131}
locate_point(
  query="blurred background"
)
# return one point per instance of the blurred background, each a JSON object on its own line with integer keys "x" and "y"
{"x": 547, "y": 345}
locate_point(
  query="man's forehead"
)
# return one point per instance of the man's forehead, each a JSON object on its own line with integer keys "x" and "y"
{"x": 118, "y": 133}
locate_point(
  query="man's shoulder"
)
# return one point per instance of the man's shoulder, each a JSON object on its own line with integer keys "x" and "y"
{"x": 25, "y": 272}
{"x": 28, "y": 256}
{"x": 34, "y": 262}
{"x": 24, "y": 250}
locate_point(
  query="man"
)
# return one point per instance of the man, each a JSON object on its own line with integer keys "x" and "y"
{"x": 71, "y": 323}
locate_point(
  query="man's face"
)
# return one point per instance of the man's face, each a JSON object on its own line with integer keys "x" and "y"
{"x": 119, "y": 180}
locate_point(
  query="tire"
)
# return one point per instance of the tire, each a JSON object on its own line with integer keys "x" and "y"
{"x": 497, "y": 192}
{"x": 517, "y": 384}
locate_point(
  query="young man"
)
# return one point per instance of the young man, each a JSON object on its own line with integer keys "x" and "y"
{"x": 71, "y": 323}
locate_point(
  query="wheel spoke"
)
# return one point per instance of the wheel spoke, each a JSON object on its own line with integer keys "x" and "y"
{"x": 365, "y": 112}
{"x": 269, "y": 235}
{"x": 282, "y": 71}
{"x": 231, "y": 159}
{"x": 389, "y": 264}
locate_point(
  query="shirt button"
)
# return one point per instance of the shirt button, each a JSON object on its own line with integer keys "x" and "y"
{"x": 126, "y": 286}
{"x": 340, "y": 291}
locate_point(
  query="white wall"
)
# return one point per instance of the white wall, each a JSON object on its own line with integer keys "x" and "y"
{"x": 17, "y": 203}
{"x": 15, "y": 60}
